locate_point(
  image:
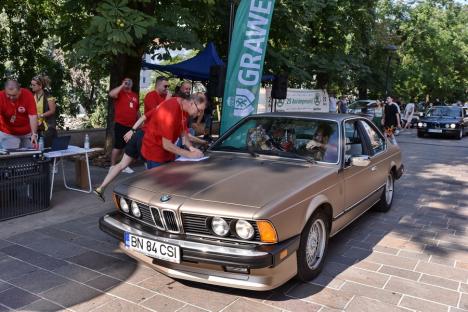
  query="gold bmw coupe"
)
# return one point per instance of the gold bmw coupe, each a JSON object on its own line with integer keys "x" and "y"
{"x": 261, "y": 208}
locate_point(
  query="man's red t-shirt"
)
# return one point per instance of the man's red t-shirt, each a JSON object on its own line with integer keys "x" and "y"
{"x": 165, "y": 121}
{"x": 152, "y": 100}
{"x": 14, "y": 115}
{"x": 126, "y": 108}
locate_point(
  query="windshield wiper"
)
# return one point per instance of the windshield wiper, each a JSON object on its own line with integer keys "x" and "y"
{"x": 286, "y": 154}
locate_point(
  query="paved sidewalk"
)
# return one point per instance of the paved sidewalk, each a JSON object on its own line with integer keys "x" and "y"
{"x": 414, "y": 258}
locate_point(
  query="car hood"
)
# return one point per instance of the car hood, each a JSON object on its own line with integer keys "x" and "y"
{"x": 236, "y": 180}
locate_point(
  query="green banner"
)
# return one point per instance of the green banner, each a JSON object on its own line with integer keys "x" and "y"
{"x": 245, "y": 63}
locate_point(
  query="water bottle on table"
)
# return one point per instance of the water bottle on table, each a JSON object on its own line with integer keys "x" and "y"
{"x": 41, "y": 144}
{"x": 86, "y": 142}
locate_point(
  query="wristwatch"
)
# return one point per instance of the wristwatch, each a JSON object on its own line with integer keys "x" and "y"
{"x": 133, "y": 130}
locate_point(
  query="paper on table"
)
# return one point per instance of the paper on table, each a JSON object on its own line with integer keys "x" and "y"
{"x": 182, "y": 158}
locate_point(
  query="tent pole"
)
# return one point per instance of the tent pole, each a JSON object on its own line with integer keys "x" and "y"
{"x": 231, "y": 21}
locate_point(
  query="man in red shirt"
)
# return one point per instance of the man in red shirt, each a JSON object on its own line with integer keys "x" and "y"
{"x": 157, "y": 96}
{"x": 126, "y": 106}
{"x": 18, "y": 117}
{"x": 166, "y": 125}
{"x": 185, "y": 87}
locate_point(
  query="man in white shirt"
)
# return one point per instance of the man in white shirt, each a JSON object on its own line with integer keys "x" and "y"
{"x": 332, "y": 100}
{"x": 409, "y": 111}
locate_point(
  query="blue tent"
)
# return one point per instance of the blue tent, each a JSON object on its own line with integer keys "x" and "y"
{"x": 195, "y": 68}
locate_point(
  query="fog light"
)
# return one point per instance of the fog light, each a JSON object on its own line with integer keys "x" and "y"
{"x": 220, "y": 226}
{"x": 244, "y": 229}
{"x": 136, "y": 210}
{"x": 453, "y": 126}
{"x": 236, "y": 269}
{"x": 124, "y": 205}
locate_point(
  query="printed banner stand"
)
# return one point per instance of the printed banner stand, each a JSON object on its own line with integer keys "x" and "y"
{"x": 245, "y": 63}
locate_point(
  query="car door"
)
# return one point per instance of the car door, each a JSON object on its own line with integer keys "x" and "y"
{"x": 465, "y": 118}
{"x": 376, "y": 147}
{"x": 358, "y": 181}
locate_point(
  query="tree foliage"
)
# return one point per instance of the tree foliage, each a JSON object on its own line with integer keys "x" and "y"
{"x": 88, "y": 46}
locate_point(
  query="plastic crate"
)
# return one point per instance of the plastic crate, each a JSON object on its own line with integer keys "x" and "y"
{"x": 24, "y": 185}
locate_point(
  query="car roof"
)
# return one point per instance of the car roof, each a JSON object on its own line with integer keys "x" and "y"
{"x": 332, "y": 116}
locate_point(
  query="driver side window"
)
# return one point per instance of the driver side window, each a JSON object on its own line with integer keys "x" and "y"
{"x": 354, "y": 143}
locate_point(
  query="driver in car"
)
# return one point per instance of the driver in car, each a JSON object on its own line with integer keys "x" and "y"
{"x": 320, "y": 148}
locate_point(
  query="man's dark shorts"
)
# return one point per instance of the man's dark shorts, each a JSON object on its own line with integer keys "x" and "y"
{"x": 133, "y": 147}
{"x": 119, "y": 132}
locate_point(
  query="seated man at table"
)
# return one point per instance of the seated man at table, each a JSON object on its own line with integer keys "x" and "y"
{"x": 18, "y": 117}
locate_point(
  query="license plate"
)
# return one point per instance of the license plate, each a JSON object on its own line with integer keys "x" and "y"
{"x": 152, "y": 248}
{"x": 435, "y": 130}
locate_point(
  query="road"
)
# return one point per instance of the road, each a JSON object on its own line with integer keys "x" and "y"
{"x": 414, "y": 257}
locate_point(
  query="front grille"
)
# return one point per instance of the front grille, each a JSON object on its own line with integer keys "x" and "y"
{"x": 164, "y": 220}
{"x": 196, "y": 224}
{"x": 171, "y": 220}
{"x": 157, "y": 218}
{"x": 145, "y": 213}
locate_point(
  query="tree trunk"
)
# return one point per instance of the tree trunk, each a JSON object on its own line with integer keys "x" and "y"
{"x": 322, "y": 80}
{"x": 362, "y": 89}
{"x": 123, "y": 66}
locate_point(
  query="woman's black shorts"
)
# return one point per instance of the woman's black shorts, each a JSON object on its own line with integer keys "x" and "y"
{"x": 133, "y": 147}
{"x": 119, "y": 132}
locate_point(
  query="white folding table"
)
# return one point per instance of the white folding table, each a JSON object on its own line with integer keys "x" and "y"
{"x": 58, "y": 156}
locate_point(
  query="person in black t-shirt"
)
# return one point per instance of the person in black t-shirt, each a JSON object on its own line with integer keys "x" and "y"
{"x": 391, "y": 119}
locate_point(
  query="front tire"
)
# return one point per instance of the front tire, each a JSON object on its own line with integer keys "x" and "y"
{"x": 386, "y": 199}
{"x": 460, "y": 134}
{"x": 313, "y": 246}
{"x": 420, "y": 134}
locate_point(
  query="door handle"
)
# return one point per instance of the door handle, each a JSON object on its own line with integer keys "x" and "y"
{"x": 374, "y": 168}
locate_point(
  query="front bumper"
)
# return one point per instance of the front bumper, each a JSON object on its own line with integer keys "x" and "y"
{"x": 443, "y": 131}
{"x": 207, "y": 262}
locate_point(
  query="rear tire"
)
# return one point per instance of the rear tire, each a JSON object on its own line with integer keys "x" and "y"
{"x": 386, "y": 199}
{"x": 313, "y": 246}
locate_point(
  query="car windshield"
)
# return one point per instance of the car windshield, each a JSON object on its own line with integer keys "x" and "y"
{"x": 454, "y": 112}
{"x": 310, "y": 139}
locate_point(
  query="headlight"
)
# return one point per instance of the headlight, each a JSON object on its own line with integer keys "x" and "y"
{"x": 447, "y": 125}
{"x": 244, "y": 229}
{"x": 136, "y": 210}
{"x": 453, "y": 126}
{"x": 124, "y": 205}
{"x": 420, "y": 124}
{"x": 424, "y": 124}
{"x": 219, "y": 226}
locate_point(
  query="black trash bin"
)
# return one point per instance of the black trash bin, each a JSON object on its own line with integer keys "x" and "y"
{"x": 24, "y": 184}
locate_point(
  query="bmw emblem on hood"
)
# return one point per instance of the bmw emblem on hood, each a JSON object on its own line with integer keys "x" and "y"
{"x": 165, "y": 198}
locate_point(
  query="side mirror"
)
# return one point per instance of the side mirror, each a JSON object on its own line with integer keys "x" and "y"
{"x": 360, "y": 161}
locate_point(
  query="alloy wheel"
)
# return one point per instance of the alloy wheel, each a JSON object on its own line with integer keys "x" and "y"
{"x": 389, "y": 189}
{"x": 316, "y": 241}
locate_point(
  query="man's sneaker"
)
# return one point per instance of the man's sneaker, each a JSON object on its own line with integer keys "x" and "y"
{"x": 99, "y": 193}
{"x": 128, "y": 170}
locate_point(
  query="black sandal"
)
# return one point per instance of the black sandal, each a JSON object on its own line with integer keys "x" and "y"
{"x": 99, "y": 194}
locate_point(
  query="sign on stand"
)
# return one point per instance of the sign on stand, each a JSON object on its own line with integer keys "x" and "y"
{"x": 298, "y": 100}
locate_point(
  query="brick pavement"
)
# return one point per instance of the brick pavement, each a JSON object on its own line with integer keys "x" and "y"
{"x": 414, "y": 258}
